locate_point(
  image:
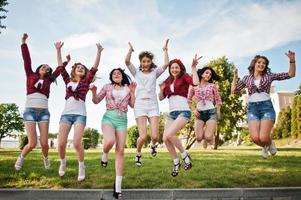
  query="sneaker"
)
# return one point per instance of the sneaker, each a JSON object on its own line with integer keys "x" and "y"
{"x": 62, "y": 169}
{"x": 117, "y": 195}
{"x": 19, "y": 163}
{"x": 272, "y": 148}
{"x": 81, "y": 173}
{"x": 46, "y": 163}
{"x": 264, "y": 153}
{"x": 153, "y": 150}
{"x": 103, "y": 164}
{"x": 138, "y": 160}
{"x": 176, "y": 169}
{"x": 187, "y": 162}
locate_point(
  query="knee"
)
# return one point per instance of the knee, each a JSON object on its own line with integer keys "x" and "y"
{"x": 77, "y": 145}
{"x": 120, "y": 152}
{"x": 61, "y": 144}
{"x": 208, "y": 137}
{"x": 109, "y": 143}
{"x": 44, "y": 145}
{"x": 265, "y": 140}
{"x": 255, "y": 138}
{"x": 166, "y": 138}
{"x": 143, "y": 137}
{"x": 32, "y": 145}
{"x": 199, "y": 138}
{"x": 155, "y": 137}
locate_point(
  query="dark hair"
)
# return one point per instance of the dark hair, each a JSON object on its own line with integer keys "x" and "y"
{"x": 126, "y": 80}
{"x": 73, "y": 70}
{"x": 48, "y": 74}
{"x": 214, "y": 76}
{"x": 182, "y": 67}
{"x": 253, "y": 62}
{"x": 148, "y": 55}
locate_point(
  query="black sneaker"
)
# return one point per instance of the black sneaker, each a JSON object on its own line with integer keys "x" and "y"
{"x": 117, "y": 195}
{"x": 187, "y": 162}
{"x": 138, "y": 160}
{"x": 153, "y": 150}
{"x": 176, "y": 169}
{"x": 103, "y": 164}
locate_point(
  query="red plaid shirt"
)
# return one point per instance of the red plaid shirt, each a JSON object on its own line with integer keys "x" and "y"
{"x": 202, "y": 94}
{"x": 33, "y": 78}
{"x": 82, "y": 87}
{"x": 181, "y": 86}
{"x": 264, "y": 85}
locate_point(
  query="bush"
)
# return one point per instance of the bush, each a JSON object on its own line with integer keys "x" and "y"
{"x": 23, "y": 140}
{"x": 132, "y": 137}
{"x": 90, "y": 138}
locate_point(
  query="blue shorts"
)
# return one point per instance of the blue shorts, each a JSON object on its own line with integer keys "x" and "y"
{"x": 206, "y": 115}
{"x": 262, "y": 110}
{"x": 73, "y": 119}
{"x": 186, "y": 114}
{"x": 36, "y": 115}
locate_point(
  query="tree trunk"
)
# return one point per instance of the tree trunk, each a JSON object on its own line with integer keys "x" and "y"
{"x": 216, "y": 140}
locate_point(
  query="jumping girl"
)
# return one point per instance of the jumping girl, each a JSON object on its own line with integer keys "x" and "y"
{"x": 74, "y": 113}
{"x": 175, "y": 88}
{"x": 36, "y": 106}
{"x": 261, "y": 113}
{"x": 119, "y": 94}
{"x": 146, "y": 104}
{"x": 209, "y": 102}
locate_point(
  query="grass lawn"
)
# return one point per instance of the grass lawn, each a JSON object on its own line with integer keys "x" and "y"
{"x": 222, "y": 168}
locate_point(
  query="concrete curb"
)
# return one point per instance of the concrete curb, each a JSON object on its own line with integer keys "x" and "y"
{"x": 281, "y": 193}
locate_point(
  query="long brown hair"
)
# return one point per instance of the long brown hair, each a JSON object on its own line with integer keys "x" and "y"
{"x": 48, "y": 75}
{"x": 73, "y": 71}
{"x": 182, "y": 71}
{"x": 214, "y": 76}
{"x": 253, "y": 62}
{"x": 149, "y": 55}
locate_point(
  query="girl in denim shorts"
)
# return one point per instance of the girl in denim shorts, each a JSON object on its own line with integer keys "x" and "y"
{"x": 74, "y": 113}
{"x": 208, "y": 103}
{"x": 146, "y": 103}
{"x": 175, "y": 88}
{"x": 36, "y": 106}
{"x": 261, "y": 114}
{"x": 119, "y": 94}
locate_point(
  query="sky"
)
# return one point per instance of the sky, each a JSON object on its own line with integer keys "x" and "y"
{"x": 238, "y": 30}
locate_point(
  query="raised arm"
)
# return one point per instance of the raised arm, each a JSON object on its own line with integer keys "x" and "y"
{"x": 160, "y": 71}
{"x": 195, "y": 62}
{"x": 292, "y": 69}
{"x": 132, "y": 88}
{"x": 98, "y": 54}
{"x": 96, "y": 98}
{"x": 26, "y": 55}
{"x": 128, "y": 63}
{"x": 58, "y": 46}
{"x": 60, "y": 68}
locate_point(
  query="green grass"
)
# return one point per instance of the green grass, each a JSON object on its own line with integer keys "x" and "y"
{"x": 223, "y": 168}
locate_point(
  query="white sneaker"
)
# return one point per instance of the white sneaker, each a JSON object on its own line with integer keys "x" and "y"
{"x": 264, "y": 152}
{"x": 81, "y": 173}
{"x": 272, "y": 148}
{"x": 19, "y": 163}
{"x": 46, "y": 163}
{"x": 62, "y": 169}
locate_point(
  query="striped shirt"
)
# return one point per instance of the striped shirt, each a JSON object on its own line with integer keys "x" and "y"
{"x": 203, "y": 94}
{"x": 264, "y": 85}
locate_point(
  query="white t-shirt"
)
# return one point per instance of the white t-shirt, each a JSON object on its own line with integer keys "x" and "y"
{"x": 120, "y": 94}
{"x": 73, "y": 106}
{"x": 208, "y": 105}
{"x": 178, "y": 103}
{"x": 36, "y": 100}
{"x": 146, "y": 83}
{"x": 256, "y": 97}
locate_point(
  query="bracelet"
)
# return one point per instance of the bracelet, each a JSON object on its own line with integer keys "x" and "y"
{"x": 293, "y": 61}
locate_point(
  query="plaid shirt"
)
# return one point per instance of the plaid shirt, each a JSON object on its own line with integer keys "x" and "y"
{"x": 33, "y": 77}
{"x": 202, "y": 94}
{"x": 264, "y": 85}
{"x": 181, "y": 86}
{"x": 111, "y": 104}
{"x": 82, "y": 87}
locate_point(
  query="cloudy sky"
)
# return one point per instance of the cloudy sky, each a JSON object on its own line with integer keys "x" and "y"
{"x": 235, "y": 29}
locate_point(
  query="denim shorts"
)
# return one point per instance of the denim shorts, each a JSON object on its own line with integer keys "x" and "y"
{"x": 206, "y": 115}
{"x": 118, "y": 122}
{"x": 175, "y": 114}
{"x": 262, "y": 110}
{"x": 73, "y": 119}
{"x": 36, "y": 115}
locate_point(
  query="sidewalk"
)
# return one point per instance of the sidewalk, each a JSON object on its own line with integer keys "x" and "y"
{"x": 286, "y": 193}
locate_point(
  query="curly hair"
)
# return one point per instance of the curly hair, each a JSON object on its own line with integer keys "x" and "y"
{"x": 73, "y": 71}
{"x": 182, "y": 69}
{"x": 251, "y": 68}
{"x": 149, "y": 55}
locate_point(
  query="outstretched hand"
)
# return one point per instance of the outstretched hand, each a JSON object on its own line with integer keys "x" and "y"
{"x": 99, "y": 47}
{"x": 291, "y": 55}
{"x": 165, "y": 47}
{"x": 24, "y": 37}
{"x": 93, "y": 88}
{"x": 132, "y": 87}
{"x": 131, "y": 47}
{"x": 195, "y": 61}
{"x": 58, "y": 45}
{"x": 68, "y": 57}
{"x": 235, "y": 72}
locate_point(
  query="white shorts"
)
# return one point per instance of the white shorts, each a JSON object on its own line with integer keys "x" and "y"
{"x": 146, "y": 107}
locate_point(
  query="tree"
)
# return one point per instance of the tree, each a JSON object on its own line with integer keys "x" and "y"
{"x": 10, "y": 120}
{"x": 90, "y": 138}
{"x": 23, "y": 140}
{"x": 298, "y": 92}
{"x": 294, "y": 119}
{"x": 132, "y": 137}
{"x": 283, "y": 125}
{"x": 3, "y": 3}
{"x": 298, "y": 115}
